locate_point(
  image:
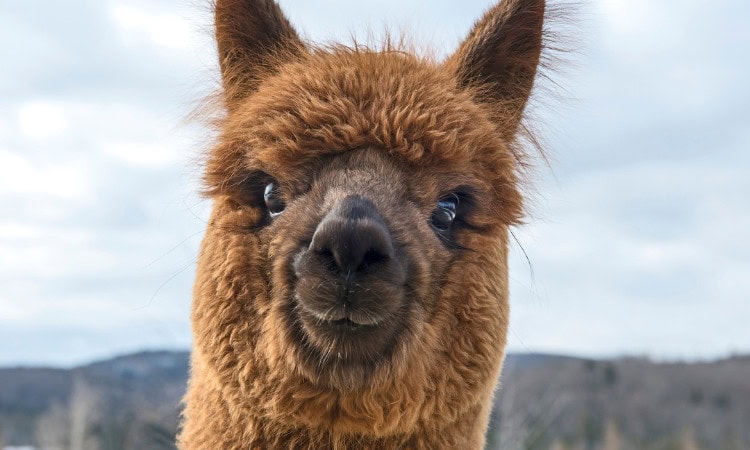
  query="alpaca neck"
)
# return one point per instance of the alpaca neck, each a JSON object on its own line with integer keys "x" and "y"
{"x": 213, "y": 421}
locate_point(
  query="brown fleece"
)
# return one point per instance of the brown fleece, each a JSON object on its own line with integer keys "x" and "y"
{"x": 402, "y": 131}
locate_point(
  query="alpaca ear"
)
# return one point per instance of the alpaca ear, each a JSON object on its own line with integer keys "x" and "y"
{"x": 253, "y": 37}
{"x": 500, "y": 56}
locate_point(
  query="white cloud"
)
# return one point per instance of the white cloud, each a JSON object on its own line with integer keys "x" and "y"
{"x": 642, "y": 29}
{"x": 19, "y": 175}
{"x": 639, "y": 259}
{"x": 41, "y": 120}
{"x": 143, "y": 153}
{"x": 163, "y": 29}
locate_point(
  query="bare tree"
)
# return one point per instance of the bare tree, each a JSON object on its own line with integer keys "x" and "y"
{"x": 83, "y": 411}
{"x": 612, "y": 437}
{"x": 52, "y": 431}
{"x": 688, "y": 441}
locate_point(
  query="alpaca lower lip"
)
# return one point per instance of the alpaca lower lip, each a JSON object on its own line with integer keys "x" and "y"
{"x": 346, "y": 324}
{"x": 337, "y": 326}
{"x": 341, "y": 316}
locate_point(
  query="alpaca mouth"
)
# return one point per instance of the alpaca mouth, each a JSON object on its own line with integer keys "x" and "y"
{"x": 346, "y": 324}
{"x": 344, "y": 317}
{"x": 340, "y": 320}
{"x": 353, "y": 324}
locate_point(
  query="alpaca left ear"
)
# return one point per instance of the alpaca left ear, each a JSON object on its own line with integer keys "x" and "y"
{"x": 500, "y": 56}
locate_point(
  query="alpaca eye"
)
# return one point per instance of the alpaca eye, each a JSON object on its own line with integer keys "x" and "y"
{"x": 445, "y": 213}
{"x": 274, "y": 203}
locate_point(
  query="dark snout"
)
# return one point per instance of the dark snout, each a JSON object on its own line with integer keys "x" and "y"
{"x": 351, "y": 273}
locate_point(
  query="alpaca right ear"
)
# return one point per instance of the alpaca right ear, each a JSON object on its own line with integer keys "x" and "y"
{"x": 253, "y": 37}
{"x": 500, "y": 57}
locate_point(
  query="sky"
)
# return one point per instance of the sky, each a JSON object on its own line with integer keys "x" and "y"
{"x": 638, "y": 241}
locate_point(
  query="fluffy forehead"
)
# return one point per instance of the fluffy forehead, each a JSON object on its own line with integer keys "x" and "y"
{"x": 342, "y": 99}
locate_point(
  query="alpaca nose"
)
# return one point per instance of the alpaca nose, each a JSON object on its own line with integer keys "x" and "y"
{"x": 352, "y": 238}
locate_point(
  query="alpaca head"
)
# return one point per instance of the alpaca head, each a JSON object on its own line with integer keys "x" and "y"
{"x": 354, "y": 272}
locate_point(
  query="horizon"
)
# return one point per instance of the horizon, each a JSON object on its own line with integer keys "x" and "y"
{"x": 510, "y": 354}
{"x": 639, "y": 237}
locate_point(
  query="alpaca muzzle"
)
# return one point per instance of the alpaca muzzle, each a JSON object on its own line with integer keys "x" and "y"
{"x": 350, "y": 279}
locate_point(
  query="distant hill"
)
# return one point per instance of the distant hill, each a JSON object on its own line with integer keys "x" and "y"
{"x": 630, "y": 403}
{"x": 546, "y": 401}
{"x": 128, "y": 402}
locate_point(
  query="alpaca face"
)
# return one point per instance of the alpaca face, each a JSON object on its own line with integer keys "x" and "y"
{"x": 358, "y": 243}
{"x": 367, "y": 267}
{"x": 358, "y": 263}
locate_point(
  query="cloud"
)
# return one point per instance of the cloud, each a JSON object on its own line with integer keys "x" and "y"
{"x": 642, "y": 259}
{"x": 18, "y": 175}
{"x": 100, "y": 222}
{"x": 41, "y": 120}
{"x": 163, "y": 29}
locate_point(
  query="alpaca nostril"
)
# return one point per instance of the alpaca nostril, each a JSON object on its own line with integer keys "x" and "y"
{"x": 372, "y": 257}
{"x": 327, "y": 260}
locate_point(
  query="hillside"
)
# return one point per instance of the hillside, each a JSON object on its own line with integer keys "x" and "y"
{"x": 132, "y": 402}
{"x": 129, "y": 402}
{"x": 623, "y": 404}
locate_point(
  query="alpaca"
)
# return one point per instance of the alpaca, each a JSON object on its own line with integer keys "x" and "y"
{"x": 352, "y": 287}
